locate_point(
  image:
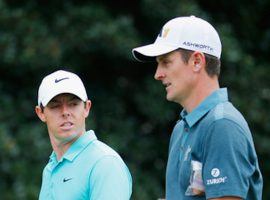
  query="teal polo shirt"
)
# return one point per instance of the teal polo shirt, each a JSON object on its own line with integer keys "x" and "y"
{"x": 216, "y": 135}
{"x": 88, "y": 170}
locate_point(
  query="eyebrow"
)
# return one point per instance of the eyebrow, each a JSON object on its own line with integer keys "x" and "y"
{"x": 162, "y": 57}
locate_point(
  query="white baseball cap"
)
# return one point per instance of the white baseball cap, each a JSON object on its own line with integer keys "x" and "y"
{"x": 191, "y": 33}
{"x": 60, "y": 82}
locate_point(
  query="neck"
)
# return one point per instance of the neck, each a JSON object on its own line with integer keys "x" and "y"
{"x": 200, "y": 92}
{"x": 61, "y": 147}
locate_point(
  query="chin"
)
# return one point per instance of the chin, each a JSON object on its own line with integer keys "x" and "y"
{"x": 172, "y": 99}
{"x": 169, "y": 98}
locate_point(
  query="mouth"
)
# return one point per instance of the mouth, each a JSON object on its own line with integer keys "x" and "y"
{"x": 167, "y": 85}
{"x": 66, "y": 125}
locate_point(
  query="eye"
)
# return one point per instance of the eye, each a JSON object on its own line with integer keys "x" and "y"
{"x": 166, "y": 61}
{"x": 53, "y": 105}
{"x": 74, "y": 103}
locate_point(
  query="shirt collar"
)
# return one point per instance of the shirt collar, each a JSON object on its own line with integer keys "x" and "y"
{"x": 218, "y": 96}
{"x": 77, "y": 146}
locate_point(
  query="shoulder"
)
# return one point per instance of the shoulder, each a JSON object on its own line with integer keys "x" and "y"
{"x": 226, "y": 116}
{"x": 109, "y": 168}
{"x": 227, "y": 111}
{"x": 225, "y": 124}
{"x": 99, "y": 155}
{"x": 100, "y": 149}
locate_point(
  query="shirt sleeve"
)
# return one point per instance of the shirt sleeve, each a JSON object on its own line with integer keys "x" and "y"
{"x": 110, "y": 180}
{"x": 227, "y": 164}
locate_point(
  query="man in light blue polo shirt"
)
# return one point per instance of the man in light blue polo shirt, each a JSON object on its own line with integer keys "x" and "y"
{"x": 80, "y": 166}
{"x": 211, "y": 152}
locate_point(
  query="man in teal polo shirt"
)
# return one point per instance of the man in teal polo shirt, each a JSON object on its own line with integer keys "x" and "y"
{"x": 80, "y": 166}
{"x": 211, "y": 152}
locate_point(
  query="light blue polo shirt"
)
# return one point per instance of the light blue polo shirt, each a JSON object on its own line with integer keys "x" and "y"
{"x": 216, "y": 135}
{"x": 88, "y": 170}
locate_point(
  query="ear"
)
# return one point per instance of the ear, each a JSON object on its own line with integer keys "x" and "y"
{"x": 197, "y": 61}
{"x": 40, "y": 113}
{"x": 87, "y": 108}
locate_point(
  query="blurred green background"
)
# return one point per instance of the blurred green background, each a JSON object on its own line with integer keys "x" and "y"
{"x": 130, "y": 112}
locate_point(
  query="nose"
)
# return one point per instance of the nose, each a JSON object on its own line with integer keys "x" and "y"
{"x": 65, "y": 110}
{"x": 159, "y": 75}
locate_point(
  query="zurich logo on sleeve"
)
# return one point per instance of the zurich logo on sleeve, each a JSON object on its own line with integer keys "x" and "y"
{"x": 215, "y": 173}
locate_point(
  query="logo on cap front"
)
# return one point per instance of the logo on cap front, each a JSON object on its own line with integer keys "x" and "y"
{"x": 164, "y": 32}
{"x": 61, "y": 79}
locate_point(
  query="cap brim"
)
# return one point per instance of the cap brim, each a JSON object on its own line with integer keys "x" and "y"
{"x": 149, "y": 52}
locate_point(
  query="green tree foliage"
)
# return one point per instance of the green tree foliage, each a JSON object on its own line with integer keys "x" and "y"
{"x": 130, "y": 113}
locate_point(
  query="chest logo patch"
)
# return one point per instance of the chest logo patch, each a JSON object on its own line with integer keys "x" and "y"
{"x": 66, "y": 179}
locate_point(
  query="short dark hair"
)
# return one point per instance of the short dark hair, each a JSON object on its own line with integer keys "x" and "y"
{"x": 212, "y": 66}
{"x": 41, "y": 107}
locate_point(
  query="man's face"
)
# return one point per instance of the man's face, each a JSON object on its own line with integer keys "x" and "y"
{"x": 175, "y": 75}
{"x": 65, "y": 117}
